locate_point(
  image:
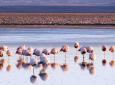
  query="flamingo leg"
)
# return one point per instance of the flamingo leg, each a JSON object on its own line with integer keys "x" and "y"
{"x": 83, "y": 58}
{"x": 113, "y": 56}
{"x": 33, "y": 70}
{"x": 27, "y": 59}
{"x": 65, "y": 58}
{"x": 76, "y": 52}
{"x": 104, "y": 55}
{"x": 8, "y": 60}
{"x": 54, "y": 58}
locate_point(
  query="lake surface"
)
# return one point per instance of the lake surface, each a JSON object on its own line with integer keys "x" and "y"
{"x": 58, "y": 9}
{"x": 49, "y": 38}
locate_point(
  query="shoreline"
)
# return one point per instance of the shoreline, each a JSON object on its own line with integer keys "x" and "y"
{"x": 60, "y": 26}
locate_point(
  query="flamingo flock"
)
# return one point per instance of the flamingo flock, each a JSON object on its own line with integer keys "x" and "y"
{"x": 32, "y": 58}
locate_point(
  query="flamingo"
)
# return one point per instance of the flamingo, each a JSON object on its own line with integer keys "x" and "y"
{"x": 44, "y": 61}
{"x": 46, "y": 52}
{"x": 65, "y": 49}
{"x": 19, "y": 50}
{"x": 77, "y": 46}
{"x": 92, "y": 57}
{"x": 90, "y": 49}
{"x": 30, "y": 51}
{"x": 33, "y": 62}
{"x": 112, "y": 50}
{"x": 9, "y": 54}
{"x": 21, "y": 63}
{"x": 1, "y": 53}
{"x": 83, "y": 52}
{"x": 25, "y": 63}
{"x": 26, "y": 53}
{"x": 1, "y": 65}
{"x": 4, "y": 61}
{"x": 54, "y": 51}
{"x": 5, "y": 48}
{"x": 104, "y": 49}
{"x": 37, "y": 52}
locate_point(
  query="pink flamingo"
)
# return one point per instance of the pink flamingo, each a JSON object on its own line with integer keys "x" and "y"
{"x": 112, "y": 50}
{"x": 9, "y": 54}
{"x": 5, "y": 48}
{"x": 104, "y": 49}
{"x": 33, "y": 78}
{"x": 54, "y": 51}
{"x": 37, "y": 52}
{"x": 65, "y": 49}
{"x": 90, "y": 49}
{"x": 77, "y": 46}
{"x": 83, "y": 52}
{"x": 1, "y": 53}
{"x": 46, "y": 52}
{"x": 44, "y": 61}
{"x": 19, "y": 50}
{"x": 92, "y": 57}
{"x": 33, "y": 62}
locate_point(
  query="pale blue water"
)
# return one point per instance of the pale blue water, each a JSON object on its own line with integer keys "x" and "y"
{"x": 48, "y": 38}
{"x": 57, "y": 36}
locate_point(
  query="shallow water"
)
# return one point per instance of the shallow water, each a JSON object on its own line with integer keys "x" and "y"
{"x": 48, "y": 38}
{"x": 57, "y": 36}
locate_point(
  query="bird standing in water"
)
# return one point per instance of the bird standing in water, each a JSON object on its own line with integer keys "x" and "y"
{"x": 112, "y": 50}
{"x": 104, "y": 49}
{"x": 9, "y": 54}
{"x": 65, "y": 49}
{"x": 76, "y": 46}
{"x": 54, "y": 51}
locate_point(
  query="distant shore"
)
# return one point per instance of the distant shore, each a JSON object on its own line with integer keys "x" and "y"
{"x": 56, "y": 19}
{"x": 59, "y": 26}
